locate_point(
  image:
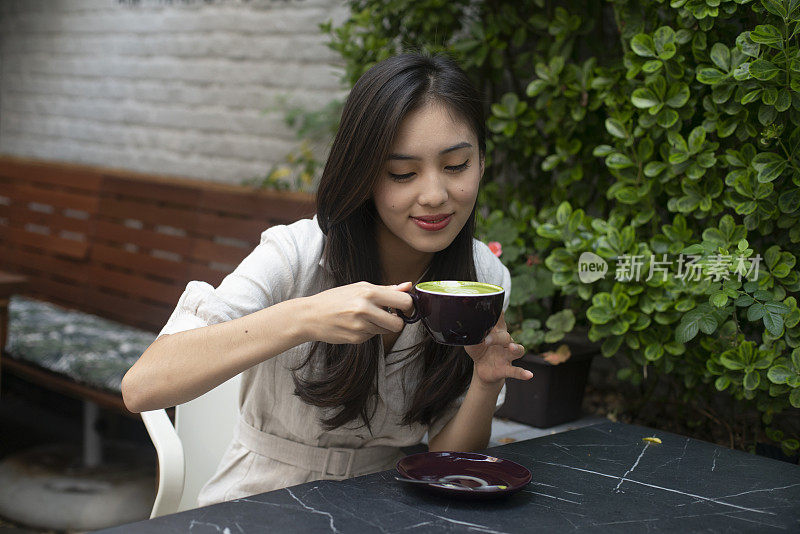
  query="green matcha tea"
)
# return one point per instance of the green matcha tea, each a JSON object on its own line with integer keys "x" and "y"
{"x": 450, "y": 287}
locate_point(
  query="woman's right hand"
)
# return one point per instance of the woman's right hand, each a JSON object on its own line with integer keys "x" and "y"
{"x": 356, "y": 312}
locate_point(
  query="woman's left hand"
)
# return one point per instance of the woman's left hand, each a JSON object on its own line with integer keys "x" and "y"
{"x": 494, "y": 355}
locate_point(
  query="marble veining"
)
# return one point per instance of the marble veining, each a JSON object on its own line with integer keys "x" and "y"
{"x": 601, "y": 478}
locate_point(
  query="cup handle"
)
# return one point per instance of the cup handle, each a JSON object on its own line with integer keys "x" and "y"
{"x": 416, "y": 316}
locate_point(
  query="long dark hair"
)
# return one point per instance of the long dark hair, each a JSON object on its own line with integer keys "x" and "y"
{"x": 346, "y": 214}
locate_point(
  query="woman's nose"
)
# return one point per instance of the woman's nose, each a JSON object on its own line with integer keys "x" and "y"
{"x": 433, "y": 190}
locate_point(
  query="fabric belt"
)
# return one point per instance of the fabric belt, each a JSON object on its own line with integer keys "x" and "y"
{"x": 335, "y": 463}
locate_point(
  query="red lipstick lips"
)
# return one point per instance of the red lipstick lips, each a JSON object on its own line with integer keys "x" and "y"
{"x": 433, "y": 222}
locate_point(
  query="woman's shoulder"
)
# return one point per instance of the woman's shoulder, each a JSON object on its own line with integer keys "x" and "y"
{"x": 486, "y": 262}
{"x": 490, "y": 269}
{"x": 301, "y": 230}
{"x": 296, "y": 248}
{"x": 303, "y": 235}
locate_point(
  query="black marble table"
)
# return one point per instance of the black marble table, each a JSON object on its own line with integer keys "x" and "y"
{"x": 601, "y": 478}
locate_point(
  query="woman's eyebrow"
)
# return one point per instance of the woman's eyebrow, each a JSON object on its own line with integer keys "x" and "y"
{"x": 445, "y": 151}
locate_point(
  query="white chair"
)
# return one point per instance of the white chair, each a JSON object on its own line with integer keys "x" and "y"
{"x": 189, "y": 452}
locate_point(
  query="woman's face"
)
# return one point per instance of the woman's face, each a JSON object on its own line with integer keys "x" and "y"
{"x": 432, "y": 174}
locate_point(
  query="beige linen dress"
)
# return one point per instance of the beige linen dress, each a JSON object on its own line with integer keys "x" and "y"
{"x": 279, "y": 441}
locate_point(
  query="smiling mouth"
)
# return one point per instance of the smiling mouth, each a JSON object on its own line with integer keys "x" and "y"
{"x": 432, "y": 220}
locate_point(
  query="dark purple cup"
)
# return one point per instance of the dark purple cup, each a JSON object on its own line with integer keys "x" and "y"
{"x": 456, "y": 313}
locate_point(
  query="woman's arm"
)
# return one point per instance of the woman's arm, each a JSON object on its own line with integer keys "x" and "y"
{"x": 471, "y": 427}
{"x": 179, "y": 367}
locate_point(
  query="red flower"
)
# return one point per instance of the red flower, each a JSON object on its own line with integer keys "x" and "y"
{"x": 533, "y": 259}
{"x": 496, "y": 248}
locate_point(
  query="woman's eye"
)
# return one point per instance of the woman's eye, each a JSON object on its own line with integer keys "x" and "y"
{"x": 401, "y": 177}
{"x": 458, "y": 168}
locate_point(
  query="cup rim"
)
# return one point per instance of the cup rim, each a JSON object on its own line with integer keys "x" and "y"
{"x": 499, "y": 289}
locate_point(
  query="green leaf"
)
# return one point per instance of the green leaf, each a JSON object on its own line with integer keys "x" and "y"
{"x": 788, "y": 202}
{"x": 784, "y": 100}
{"x": 644, "y": 149}
{"x": 686, "y": 331}
{"x": 769, "y": 166}
{"x": 773, "y": 319}
{"x": 644, "y": 98}
{"x": 663, "y": 38}
{"x": 730, "y": 363}
{"x": 562, "y": 321}
{"x": 722, "y": 92}
{"x": 721, "y": 56}
{"x": 751, "y": 380}
{"x": 767, "y": 34}
{"x": 763, "y": 70}
{"x": 599, "y": 314}
{"x": 654, "y": 168}
{"x": 602, "y": 150}
{"x": 667, "y": 117}
{"x": 752, "y": 96}
{"x": 775, "y": 7}
{"x": 618, "y": 161}
{"x": 794, "y": 398}
{"x": 696, "y": 139}
{"x": 550, "y": 162}
{"x": 771, "y": 256}
{"x": 711, "y": 76}
{"x": 770, "y": 95}
{"x": 767, "y": 114}
{"x": 755, "y": 311}
{"x": 677, "y": 95}
{"x": 779, "y": 374}
{"x": 643, "y": 45}
{"x": 747, "y": 45}
{"x": 677, "y": 141}
{"x": 653, "y": 352}
{"x": 773, "y": 323}
{"x": 611, "y": 345}
{"x": 616, "y": 128}
{"x": 653, "y": 65}
{"x": 683, "y": 36}
{"x": 719, "y": 299}
{"x": 708, "y": 324}
{"x": 762, "y": 363}
{"x": 722, "y": 383}
{"x": 536, "y": 87}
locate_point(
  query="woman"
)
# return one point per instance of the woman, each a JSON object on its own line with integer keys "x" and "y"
{"x": 333, "y": 380}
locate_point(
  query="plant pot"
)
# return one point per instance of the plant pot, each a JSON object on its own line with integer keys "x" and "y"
{"x": 555, "y": 393}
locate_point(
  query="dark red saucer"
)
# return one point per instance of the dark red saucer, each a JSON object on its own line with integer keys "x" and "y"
{"x": 431, "y": 466}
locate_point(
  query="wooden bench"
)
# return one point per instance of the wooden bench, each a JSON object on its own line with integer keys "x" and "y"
{"x": 122, "y": 245}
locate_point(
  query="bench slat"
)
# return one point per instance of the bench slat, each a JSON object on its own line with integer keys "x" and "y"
{"x": 135, "y": 285}
{"x": 159, "y": 190}
{"x": 55, "y": 198}
{"x": 147, "y": 212}
{"x": 257, "y": 204}
{"x": 55, "y": 221}
{"x": 141, "y": 262}
{"x": 44, "y": 263}
{"x": 121, "y": 235}
{"x": 59, "y": 174}
{"x": 59, "y": 245}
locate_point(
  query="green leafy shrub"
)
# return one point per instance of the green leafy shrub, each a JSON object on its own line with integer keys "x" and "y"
{"x": 658, "y": 137}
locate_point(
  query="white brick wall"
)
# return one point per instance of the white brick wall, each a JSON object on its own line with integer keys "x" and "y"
{"x": 183, "y": 87}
